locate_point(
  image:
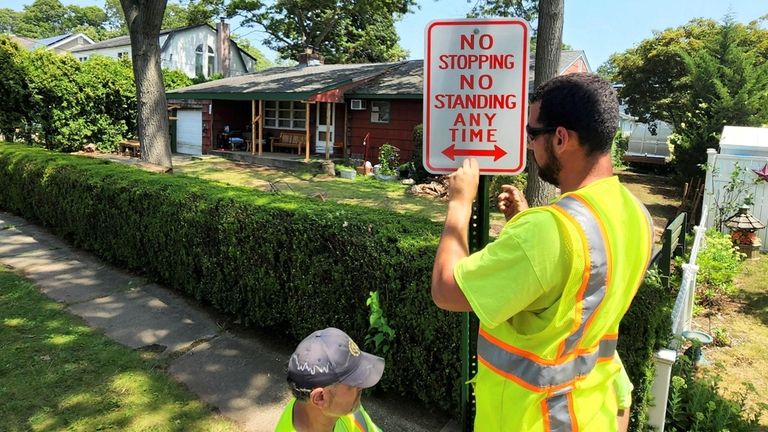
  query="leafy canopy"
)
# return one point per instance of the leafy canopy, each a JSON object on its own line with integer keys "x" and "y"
{"x": 698, "y": 77}
{"x": 342, "y": 31}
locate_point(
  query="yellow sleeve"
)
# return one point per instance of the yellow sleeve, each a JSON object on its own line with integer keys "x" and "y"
{"x": 623, "y": 386}
{"x": 526, "y": 264}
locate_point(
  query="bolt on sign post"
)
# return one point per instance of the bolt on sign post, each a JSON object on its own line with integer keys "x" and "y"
{"x": 475, "y": 105}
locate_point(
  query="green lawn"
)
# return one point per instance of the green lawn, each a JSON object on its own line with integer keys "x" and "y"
{"x": 58, "y": 374}
{"x": 365, "y": 191}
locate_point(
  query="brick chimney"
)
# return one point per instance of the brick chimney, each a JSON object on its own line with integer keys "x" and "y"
{"x": 310, "y": 58}
{"x": 223, "y": 56}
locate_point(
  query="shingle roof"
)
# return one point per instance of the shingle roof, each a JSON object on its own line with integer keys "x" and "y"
{"x": 407, "y": 80}
{"x": 126, "y": 40}
{"x": 26, "y": 43}
{"x": 283, "y": 83}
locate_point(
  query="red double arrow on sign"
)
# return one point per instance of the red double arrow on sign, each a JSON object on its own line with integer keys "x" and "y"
{"x": 497, "y": 152}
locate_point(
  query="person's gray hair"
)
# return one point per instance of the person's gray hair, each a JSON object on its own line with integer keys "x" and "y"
{"x": 301, "y": 394}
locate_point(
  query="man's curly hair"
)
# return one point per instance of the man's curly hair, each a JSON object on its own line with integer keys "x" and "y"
{"x": 584, "y": 103}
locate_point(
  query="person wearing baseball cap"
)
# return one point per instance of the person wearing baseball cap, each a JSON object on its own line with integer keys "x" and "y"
{"x": 327, "y": 374}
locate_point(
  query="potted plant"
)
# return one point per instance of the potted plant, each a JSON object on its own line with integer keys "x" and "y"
{"x": 389, "y": 156}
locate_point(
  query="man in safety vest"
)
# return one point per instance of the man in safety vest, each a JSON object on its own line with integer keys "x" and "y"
{"x": 327, "y": 374}
{"x": 551, "y": 290}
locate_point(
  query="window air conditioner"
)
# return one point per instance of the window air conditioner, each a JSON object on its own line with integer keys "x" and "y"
{"x": 357, "y": 104}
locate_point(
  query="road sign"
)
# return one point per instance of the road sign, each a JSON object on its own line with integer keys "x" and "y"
{"x": 475, "y": 94}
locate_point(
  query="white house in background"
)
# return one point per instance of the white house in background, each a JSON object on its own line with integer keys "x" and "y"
{"x": 194, "y": 50}
{"x": 60, "y": 43}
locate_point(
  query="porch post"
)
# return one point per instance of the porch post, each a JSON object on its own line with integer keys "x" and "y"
{"x": 328, "y": 142}
{"x": 261, "y": 124}
{"x": 306, "y": 133}
{"x": 253, "y": 127}
{"x": 346, "y": 130}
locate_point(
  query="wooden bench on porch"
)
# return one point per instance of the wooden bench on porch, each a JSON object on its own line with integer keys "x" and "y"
{"x": 290, "y": 140}
{"x": 130, "y": 146}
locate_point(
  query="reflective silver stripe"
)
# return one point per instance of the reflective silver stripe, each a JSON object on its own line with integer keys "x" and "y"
{"x": 598, "y": 268}
{"x": 558, "y": 413}
{"x": 360, "y": 421}
{"x": 537, "y": 375}
{"x": 650, "y": 228}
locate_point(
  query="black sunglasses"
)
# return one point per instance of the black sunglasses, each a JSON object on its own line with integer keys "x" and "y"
{"x": 533, "y": 132}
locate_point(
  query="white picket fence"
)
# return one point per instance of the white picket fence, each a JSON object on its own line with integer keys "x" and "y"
{"x": 719, "y": 174}
{"x": 681, "y": 321}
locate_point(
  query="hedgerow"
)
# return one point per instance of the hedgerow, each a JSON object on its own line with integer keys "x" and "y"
{"x": 287, "y": 263}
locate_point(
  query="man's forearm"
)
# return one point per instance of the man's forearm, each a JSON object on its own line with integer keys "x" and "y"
{"x": 453, "y": 246}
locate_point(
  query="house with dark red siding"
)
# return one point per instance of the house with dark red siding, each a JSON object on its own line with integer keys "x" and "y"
{"x": 327, "y": 110}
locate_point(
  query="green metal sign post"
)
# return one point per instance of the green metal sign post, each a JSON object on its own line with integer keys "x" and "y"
{"x": 478, "y": 237}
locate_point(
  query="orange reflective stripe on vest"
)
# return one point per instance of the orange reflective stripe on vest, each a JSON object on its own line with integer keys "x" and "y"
{"x": 557, "y": 376}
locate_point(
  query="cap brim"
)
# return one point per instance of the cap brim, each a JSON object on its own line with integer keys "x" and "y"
{"x": 368, "y": 372}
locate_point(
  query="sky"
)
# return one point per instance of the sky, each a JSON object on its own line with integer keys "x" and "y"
{"x": 599, "y": 27}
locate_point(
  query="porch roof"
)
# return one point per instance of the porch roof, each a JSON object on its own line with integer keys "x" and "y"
{"x": 284, "y": 83}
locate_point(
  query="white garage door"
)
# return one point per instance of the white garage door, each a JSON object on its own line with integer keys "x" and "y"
{"x": 189, "y": 132}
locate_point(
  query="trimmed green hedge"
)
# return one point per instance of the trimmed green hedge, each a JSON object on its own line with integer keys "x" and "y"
{"x": 288, "y": 263}
{"x": 274, "y": 261}
{"x": 645, "y": 329}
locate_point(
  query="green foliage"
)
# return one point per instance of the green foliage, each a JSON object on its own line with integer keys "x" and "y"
{"x": 273, "y": 260}
{"x": 519, "y": 181}
{"x": 64, "y": 104}
{"x": 389, "y": 159}
{"x": 417, "y": 157}
{"x": 695, "y": 405}
{"x": 719, "y": 262}
{"x": 14, "y": 93}
{"x": 618, "y": 148}
{"x": 734, "y": 194}
{"x": 59, "y": 374}
{"x": 174, "y": 78}
{"x": 341, "y": 31}
{"x": 281, "y": 262}
{"x": 380, "y": 335}
{"x": 644, "y": 330}
{"x": 720, "y": 337}
{"x": 697, "y": 77}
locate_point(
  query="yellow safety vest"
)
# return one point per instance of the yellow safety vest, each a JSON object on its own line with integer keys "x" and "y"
{"x": 560, "y": 379}
{"x": 355, "y": 422}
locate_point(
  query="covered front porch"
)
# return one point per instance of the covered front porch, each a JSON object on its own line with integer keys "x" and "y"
{"x": 275, "y": 159}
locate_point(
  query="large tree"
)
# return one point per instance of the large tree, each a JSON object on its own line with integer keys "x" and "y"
{"x": 698, "y": 77}
{"x": 144, "y": 18}
{"x": 549, "y": 39}
{"x": 342, "y": 31}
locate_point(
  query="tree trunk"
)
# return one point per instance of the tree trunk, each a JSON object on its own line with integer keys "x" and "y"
{"x": 144, "y": 18}
{"x": 548, "y": 43}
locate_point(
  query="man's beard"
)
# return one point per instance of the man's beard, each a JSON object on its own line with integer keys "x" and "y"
{"x": 550, "y": 171}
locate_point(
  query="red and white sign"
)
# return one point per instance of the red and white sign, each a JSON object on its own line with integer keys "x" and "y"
{"x": 476, "y": 94}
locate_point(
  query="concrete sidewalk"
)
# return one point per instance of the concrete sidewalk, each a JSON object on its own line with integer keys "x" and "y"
{"x": 240, "y": 373}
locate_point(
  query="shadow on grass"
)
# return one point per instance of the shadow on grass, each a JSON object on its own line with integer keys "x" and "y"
{"x": 58, "y": 374}
{"x": 755, "y": 304}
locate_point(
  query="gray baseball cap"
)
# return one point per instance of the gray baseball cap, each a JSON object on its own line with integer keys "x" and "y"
{"x": 330, "y": 356}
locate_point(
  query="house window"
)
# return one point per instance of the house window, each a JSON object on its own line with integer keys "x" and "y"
{"x": 82, "y": 59}
{"x": 379, "y": 112}
{"x": 285, "y": 115}
{"x": 122, "y": 54}
{"x": 211, "y": 61}
{"x": 199, "y": 60}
